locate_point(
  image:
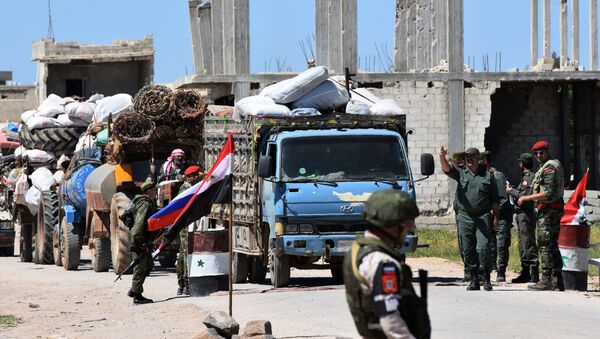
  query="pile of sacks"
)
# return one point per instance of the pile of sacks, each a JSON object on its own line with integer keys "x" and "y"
{"x": 313, "y": 92}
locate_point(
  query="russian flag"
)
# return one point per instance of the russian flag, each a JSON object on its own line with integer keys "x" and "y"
{"x": 197, "y": 201}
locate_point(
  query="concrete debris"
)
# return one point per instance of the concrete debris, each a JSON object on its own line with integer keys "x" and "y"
{"x": 443, "y": 68}
{"x": 209, "y": 333}
{"x": 257, "y": 327}
{"x": 225, "y": 325}
{"x": 32, "y": 305}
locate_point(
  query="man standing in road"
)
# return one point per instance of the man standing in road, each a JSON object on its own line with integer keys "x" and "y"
{"x": 500, "y": 240}
{"x": 458, "y": 161}
{"x": 192, "y": 177}
{"x": 476, "y": 196}
{"x": 379, "y": 292}
{"x": 548, "y": 190}
{"x": 525, "y": 216}
{"x": 140, "y": 239}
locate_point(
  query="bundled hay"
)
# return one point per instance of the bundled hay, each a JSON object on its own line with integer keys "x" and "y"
{"x": 153, "y": 101}
{"x": 131, "y": 127}
{"x": 187, "y": 105}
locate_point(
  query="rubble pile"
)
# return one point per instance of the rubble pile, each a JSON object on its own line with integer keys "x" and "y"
{"x": 222, "y": 326}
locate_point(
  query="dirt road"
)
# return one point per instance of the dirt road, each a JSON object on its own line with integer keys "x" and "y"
{"x": 55, "y": 303}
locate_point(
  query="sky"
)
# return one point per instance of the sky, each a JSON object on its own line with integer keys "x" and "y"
{"x": 277, "y": 27}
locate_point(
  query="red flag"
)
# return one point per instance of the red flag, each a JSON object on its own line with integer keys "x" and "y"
{"x": 574, "y": 211}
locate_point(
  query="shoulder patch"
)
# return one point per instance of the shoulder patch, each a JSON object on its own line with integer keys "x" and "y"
{"x": 549, "y": 170}
{"x": 389, "y": 280}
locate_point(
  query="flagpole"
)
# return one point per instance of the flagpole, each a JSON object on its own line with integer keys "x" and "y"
{"x": 231, "y": 237}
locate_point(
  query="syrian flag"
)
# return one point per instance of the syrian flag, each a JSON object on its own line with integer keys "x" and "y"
{"x": 197, "y": 201}
{"x": 574, "y": 211}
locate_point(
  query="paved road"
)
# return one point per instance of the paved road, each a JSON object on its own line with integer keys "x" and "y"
{"x": 89, "y": 304}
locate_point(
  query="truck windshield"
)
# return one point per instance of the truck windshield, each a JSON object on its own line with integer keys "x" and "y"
{"x": 343, "y": 158}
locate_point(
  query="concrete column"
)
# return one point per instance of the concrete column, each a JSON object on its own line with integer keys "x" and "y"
{"x": 195, "y": 28}
{"x": 400, "y": 31}
{"x": 411, "y": 34}
{"x": 336, "y": 34}
{"x": 564, "y": 33}
{"x": 593, "y": 35}
{"x": 205, "y": 37}
{"x": 547, "y": 30}
{"x": 217, "y": 35}
{"x": 321, "y": 27}
{"x": 575, "y": 31}
{"x": 349, "y": 35}
{"x": 439, "y": 16}
{"x": 228, "y": 25}
{"x": 334, "y": 16}
{"x": 534, "y": 33}
{"x": 241, "y": 10}
{"x": 456, "y": 111}
{"x": 423, "y": 34}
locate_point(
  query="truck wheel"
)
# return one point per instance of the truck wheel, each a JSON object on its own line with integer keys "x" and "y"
{"x": 25, "y": 242}
{"x": 338, "y": 275}
{"x": 168, "y": 260}
{"x": 100, "y": 251}
{"x": 46, "y": 221}
{"x": 258, "y": 271}
{"x": 280, "y": 267}
{"x": 240, "y": 267}
{"x": 56, "y": 247}
{"x": 119, "y": 233}
{"x": 70, "y": 245}
{"x": 54, "y": 139}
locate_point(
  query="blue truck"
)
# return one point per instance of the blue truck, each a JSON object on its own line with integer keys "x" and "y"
{"x": 300, "y": 185}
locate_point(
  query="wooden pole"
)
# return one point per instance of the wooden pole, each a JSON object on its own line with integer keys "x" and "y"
{"x": 231, "y": 243}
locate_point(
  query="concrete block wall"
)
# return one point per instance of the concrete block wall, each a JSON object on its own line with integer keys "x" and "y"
{"x": 15, "y": 100}
{"x": 478, "y": 111}
{"x": 540, "y": 120}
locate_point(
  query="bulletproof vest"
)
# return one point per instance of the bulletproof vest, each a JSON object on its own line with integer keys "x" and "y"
{"x": 413, "y": 309}
{"x": 560, "y": 181}
{"x": 128, "y": 216}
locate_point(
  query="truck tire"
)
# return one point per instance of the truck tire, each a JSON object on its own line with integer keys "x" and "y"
{"x": 55, "y": 139}
{"x": 46, "y": 222}
{"x": 119, "y": 233}
{"x": 240, "y": 267}
{"x": 100, "y": 251}
{"x": 56, "y": 247}
{"x": 280, "y": 267}
{"x": 71, "y": 249}
{"x": 258, "y": 271}
{"x": 168, "y": 260}
{"x": 25, "y": 241}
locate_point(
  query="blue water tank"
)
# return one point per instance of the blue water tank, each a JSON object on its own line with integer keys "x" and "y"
{"x": 73, "y": 190}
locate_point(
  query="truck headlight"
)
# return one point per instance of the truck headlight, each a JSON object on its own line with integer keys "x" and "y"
{"x": 306, "y": 228}
{"x": 291, "y": 229}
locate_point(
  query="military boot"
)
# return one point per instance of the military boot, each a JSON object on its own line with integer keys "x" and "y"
{"x": 180, "y": 290}
{"x": 535, "y": 274}
{"x": 467, "y": 276}
{"x": 140, "y": 299}
{"x": 545, "y": 284}
{"x": 474, "y": 284}
{"x": 557, "y": 282}
{"x": 501, "y": 277}
{"x": 487, "y": 284}
{"x": 186, "y": 290}
{"x": 524, "y": 277}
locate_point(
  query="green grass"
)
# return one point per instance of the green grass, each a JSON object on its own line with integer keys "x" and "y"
{"x": 7, "y": 321}
{"x": 443, "y": 243}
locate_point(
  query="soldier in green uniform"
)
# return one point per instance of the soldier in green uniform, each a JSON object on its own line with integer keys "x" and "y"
{"x": 525, "y": 216}
{"x": 458, "y": 161}
{"x": 548, "y": 190}
{"x": 140, "y": 238}
{"x": 501, "y": 237}
{"x": 192, "y": 176}
{"x": 379, "y": 292}
{"x": 476, "y": 196}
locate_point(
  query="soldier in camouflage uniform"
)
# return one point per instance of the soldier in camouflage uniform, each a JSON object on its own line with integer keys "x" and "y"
{"x": 548, "y": 189}
{"x": 379, "y": 292}
{"x": 140, "y": 240}
{"x": 501, "y": 237}
{"x": 192, "y": 176}
{"x": 476, "y": 196}
{"x": 525, "y": 215}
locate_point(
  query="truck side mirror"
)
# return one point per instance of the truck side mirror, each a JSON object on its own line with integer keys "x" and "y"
{"x": 265, "y": 166}
{"x": 427, "y": 165}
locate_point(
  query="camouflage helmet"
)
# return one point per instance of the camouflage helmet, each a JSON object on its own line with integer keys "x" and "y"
{"x": 388, "y": 208}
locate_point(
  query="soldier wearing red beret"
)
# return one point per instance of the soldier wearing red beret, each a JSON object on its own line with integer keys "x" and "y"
{"x": 548, "y": 190}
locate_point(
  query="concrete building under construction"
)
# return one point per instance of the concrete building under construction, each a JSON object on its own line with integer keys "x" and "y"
{"x": 446, "y": 103}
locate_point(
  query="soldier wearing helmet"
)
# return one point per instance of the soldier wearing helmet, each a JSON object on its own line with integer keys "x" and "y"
{"x": 379, "y": 292}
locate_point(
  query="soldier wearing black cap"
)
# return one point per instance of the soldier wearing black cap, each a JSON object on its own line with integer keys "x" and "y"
{"x": 548, "y": 190}
{"x": 476, "y": 196}
{"x": 525, "y": 215}
{"x": 379, "y": 291}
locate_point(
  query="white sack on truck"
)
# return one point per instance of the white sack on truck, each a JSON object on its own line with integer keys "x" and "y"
{"x": 21, "y": 188}
{"x": 27, "y": 115}
{"x": 364, "y": 95}
{"x": 81, "y": 110}
{"x": 113, "y": 104}
{"x": 386, "y": 107}
{"x": 32, "y": 198}
{"x": 293, "y": 89}
{"x": 258, "y": 106}
{"x": 67, "y": 121}
{"x": 42, "y": 179}
{"x": 38, "y": 122}
{"x": 37, "y": 156}
{"x": 327, "y": 96}
{"x": 304, "y": 112}
{"x": 358, "y": 107}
